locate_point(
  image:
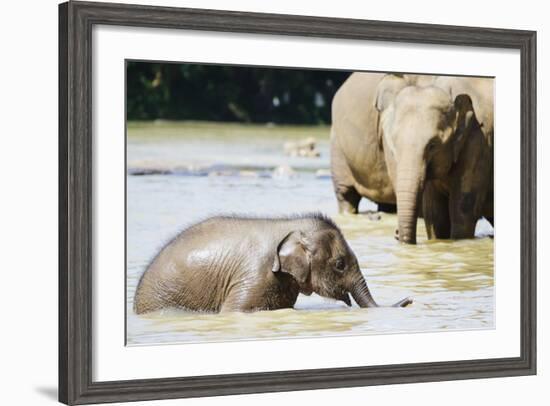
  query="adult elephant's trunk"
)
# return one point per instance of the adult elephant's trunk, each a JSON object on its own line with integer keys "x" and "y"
{"x": 408, "y": 191}
{"x": 361, "y": 293}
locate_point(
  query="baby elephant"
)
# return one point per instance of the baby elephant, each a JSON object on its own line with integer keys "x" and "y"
{"x": 247, "y": 264}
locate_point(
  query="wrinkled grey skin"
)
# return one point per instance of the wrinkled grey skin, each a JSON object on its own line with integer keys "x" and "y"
{"x": 247, "y": 264}
{"x": 357, "y": 162}
{"x": 422, "y": 142}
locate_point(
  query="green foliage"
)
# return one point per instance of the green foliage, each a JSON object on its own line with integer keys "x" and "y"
{"x": 230, "y": 93}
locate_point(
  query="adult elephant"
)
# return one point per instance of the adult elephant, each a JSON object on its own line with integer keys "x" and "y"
{"x": 434, "y": 138}
{"x": 248, "y": 264}
{"x": 358, "y": 163}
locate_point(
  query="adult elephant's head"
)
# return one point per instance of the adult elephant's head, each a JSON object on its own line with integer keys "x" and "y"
{"x": 322, "y": 262}
{"x": 422, "y": 130}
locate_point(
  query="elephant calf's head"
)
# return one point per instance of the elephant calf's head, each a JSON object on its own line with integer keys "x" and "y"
{"x": 322, "y": 262}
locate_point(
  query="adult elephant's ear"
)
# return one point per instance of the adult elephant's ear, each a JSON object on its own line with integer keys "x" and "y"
{"x": 465, "y": 119}
{"x": 292, "y": 257}
{"x": 387, "y": 89}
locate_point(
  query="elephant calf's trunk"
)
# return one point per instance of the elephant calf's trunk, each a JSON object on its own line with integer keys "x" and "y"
{"x": 362, "y": 296}
{"x": 404, "y": 302}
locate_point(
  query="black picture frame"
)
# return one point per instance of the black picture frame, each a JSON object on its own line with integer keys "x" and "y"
{"x": 76, "y": 20}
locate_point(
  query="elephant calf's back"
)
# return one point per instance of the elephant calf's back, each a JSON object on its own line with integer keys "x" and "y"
{"x": 193, "y": 272}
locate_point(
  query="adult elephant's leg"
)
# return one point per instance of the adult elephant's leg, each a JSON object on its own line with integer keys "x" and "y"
{"x": 463, "y": 220}
{"x": 465, "y": 207}
{"x": 348, "y": 199}
{"x": 435, "y": 208}
{"x": 468, "y": 195}
{"x": 470, "y": 186}
{"x": 342, "y": 180}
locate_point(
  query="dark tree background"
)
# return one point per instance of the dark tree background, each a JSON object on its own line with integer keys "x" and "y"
{"x": 230, "y": 93}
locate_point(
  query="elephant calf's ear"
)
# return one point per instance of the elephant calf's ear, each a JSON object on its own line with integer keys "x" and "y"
{"x": 465, "y": 118}
{"x": 292, "y": 257}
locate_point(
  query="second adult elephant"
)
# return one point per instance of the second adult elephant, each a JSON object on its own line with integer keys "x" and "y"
{"x": 424, "y": 143}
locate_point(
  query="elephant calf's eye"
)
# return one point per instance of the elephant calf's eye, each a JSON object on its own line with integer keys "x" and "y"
{"x": 340, "y": 264}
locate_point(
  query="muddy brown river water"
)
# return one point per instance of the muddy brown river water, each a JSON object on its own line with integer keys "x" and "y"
{"x": 179, "y": 173}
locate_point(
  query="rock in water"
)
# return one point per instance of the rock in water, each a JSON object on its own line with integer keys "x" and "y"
{"x": 306, "y": 148}
{"x": 248, "y": 174}
{"x": 284, "y": 172}
{"x": 323, "y": 174}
